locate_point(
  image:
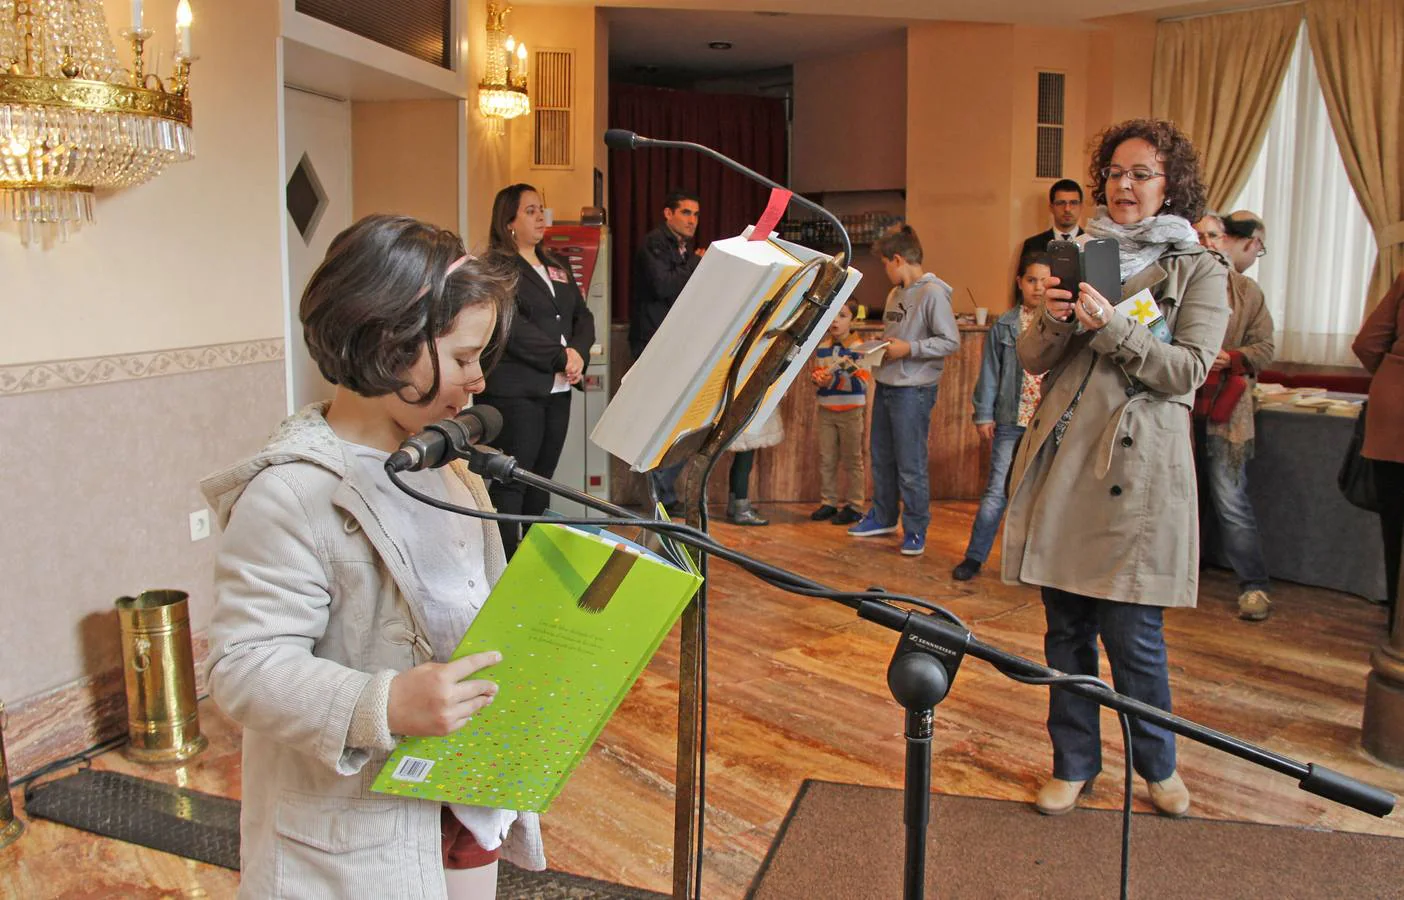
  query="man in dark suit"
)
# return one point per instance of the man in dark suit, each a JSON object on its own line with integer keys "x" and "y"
{"x": 662, "y": 265}
{"x": 1065, "y": 205}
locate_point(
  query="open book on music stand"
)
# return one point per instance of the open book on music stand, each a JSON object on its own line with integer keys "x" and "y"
{"x": 676, "y": 387}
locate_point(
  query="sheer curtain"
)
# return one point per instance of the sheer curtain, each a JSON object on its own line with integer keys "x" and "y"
{"x": 1320, "y": 245}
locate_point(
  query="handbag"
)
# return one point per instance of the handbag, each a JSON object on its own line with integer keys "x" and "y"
{"x": 1218, "y": 397}
{"x": 1357, "y": 476}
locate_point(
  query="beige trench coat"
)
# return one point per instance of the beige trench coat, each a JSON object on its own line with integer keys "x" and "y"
{"x": 1112, "y": 512}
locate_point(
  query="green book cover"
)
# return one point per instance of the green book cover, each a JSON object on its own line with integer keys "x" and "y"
{"x": 576, "y": 617}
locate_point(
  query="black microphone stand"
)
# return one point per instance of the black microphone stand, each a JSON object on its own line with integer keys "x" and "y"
{"x": 698, "y": 453}
{"x": 928, "y": 654}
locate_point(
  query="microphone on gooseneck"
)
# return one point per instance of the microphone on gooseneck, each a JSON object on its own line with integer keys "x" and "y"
{"x": 623, "y": 139}
{"x": 446, "y": 440}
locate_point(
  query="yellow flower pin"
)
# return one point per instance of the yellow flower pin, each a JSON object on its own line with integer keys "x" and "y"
{"x": 1145, "y": 312}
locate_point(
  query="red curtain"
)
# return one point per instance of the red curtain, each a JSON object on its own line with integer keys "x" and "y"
{"x": 750, "y": 130}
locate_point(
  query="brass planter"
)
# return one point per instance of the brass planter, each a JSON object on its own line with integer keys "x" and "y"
{"x": 158, "y": 666}
{"x": 10, "y": 824}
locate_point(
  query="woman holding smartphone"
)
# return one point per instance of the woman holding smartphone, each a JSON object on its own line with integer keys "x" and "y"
{"x": 1103, "y": 513}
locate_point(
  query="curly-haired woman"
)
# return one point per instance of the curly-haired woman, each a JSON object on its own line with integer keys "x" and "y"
{"x": 1102, "y": 513}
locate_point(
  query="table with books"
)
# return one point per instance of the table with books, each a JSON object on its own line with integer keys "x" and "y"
{"x": 1310, "y": 534}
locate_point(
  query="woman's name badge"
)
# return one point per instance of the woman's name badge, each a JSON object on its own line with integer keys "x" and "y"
{"x": 557, "y": 274}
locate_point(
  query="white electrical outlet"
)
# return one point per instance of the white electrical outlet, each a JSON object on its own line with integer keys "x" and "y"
{"x": 200, "y": 525}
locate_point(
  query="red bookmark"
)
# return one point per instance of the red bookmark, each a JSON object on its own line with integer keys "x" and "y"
{"x": 779, "y": 201}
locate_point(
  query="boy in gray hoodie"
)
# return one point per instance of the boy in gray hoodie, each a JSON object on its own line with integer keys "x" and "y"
{"x": 920, "y": 326}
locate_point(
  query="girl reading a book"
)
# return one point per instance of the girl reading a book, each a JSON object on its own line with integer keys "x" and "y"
{"x": 339, "y": 599}
{"x": 1102, "y": 512}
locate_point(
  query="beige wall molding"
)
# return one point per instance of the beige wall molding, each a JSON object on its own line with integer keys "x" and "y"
{"x": 55, "y": 375}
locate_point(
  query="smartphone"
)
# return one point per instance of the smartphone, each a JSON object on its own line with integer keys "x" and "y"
{"x": 1096, "y": 262}
{"x": 1066, "y": 265}
{"x": 1101, "y": 268}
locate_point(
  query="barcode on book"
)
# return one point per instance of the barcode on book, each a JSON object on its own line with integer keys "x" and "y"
{"x": 412, "y": 768}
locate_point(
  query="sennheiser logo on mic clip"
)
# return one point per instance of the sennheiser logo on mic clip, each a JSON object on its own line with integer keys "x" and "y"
{"x": 930, "y": 645}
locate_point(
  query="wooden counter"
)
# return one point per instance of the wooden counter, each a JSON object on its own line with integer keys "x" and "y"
{"x": 788, "y": 472}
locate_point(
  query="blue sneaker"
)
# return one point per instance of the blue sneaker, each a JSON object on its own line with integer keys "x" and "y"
{"x": 869, "y": 527}
{"x": 913, "y": 544}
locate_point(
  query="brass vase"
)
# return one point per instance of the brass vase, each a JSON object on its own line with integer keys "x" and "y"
{"x": 158, "y": 665}
{"x": 10, "y": 824}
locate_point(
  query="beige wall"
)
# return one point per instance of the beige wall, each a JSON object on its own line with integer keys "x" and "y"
{"x": 1121, "y": 54}
{"x": 193, "y": 257}
{"x": 189, "y": 261}
{"x": 418, "y": 177}
{"x": 850, "y": 120}
{"x": 489, "y": 164}
{"x": 601, "y": 123}
{"x": 971, "y": 191}
{"x": 960, "y": 151}
{"x": 560, "y": 28}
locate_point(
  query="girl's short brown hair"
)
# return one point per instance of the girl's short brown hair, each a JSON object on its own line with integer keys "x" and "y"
{"x": 384, "y": 293}
{"x": 902, "y": 242}
{"x": 1184, "y": 181}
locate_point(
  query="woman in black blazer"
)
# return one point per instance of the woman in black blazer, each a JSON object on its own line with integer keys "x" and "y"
{"x": 547, "y": 349}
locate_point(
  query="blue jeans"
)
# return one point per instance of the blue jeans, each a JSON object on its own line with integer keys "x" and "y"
{"x": 901, "y": 421}
{"x": 982, "y": 533}
{"x": 1136, "y": 650}
{"x": 1238, "y": 527}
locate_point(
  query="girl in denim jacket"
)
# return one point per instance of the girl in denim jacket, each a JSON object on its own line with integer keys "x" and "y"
{"x": 1005, "y": 399}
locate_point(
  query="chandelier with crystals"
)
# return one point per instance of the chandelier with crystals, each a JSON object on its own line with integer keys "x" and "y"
{"x": 502, "y": 94}
{"x": 73, "y": 120}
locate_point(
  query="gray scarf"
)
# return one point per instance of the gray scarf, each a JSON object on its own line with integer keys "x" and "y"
{"x": 1143, "y": 242}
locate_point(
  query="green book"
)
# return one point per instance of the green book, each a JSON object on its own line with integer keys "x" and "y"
{"x": 576, "y": 616}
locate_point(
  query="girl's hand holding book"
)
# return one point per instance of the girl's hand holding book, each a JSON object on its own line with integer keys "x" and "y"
{"x": 433, "y": 699}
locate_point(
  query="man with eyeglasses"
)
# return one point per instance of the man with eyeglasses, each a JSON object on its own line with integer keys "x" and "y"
{"x": 1065, "y": 206}
{"x": 1224, "y": 406}
{"x": 1210, "y": 229}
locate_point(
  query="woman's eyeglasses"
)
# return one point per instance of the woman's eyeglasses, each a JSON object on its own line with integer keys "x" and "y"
{"x": 1135, "y": 173}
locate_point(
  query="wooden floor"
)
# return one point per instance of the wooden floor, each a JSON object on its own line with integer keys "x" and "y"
{"x": 798, "y": 691}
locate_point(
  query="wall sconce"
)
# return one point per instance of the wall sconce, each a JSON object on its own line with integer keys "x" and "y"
{"x": 502, "y": 94}
{"x": 73, "y": 121}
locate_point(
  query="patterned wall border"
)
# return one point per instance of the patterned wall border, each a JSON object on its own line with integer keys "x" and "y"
{"x": 70, "y": 373}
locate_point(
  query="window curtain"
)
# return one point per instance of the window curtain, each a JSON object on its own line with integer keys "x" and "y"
{"x": 1320, "y": 245}
{"x": 1359, "y": 49}
{"x": 750, "y": 130}
{"x": 1216, "y": 77}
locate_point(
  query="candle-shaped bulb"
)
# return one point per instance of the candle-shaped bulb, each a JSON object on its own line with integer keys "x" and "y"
{"x": 511, "y": 43}
{"x": 521, "y": 60}
{"x": 136, "y": 15}
{"x": 183, "y": 19}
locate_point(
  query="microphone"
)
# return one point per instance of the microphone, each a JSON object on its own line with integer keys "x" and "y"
{"x": 446, "y": 440}
{"x": 623, "y": 139}
{"x": 620, "y": 139}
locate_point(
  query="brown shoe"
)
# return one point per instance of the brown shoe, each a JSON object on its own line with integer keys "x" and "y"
{"x": 1254, "y": 605}
{"x": 1058, "y": 796}
{"x": 1169, "y": 797}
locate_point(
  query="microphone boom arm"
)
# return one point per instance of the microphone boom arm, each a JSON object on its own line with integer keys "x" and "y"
{"x": 629, "y": 140}
{"x": 874, "y": 607}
